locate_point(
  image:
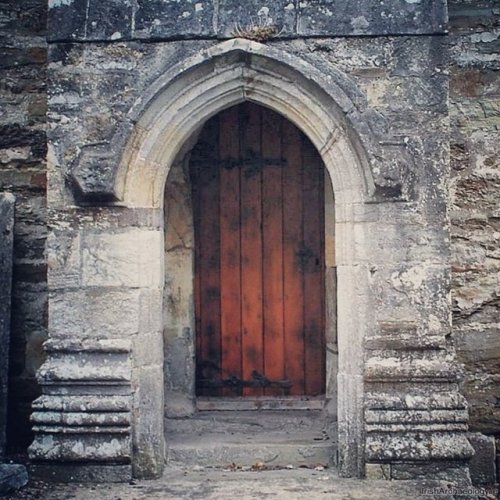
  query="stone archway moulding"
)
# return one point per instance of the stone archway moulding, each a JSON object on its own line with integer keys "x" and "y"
{"x": 325, "y": 104}
{"x": 334, "y": 117}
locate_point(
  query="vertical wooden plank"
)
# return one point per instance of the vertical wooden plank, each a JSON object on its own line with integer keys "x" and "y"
{"x": 292, "y": 263}
{"x": 251, "y": 248}
{"x": 313, "y": 268}
{"x": 230, "y": 272}
{"x": 272, "y": 255}
{"x": 208, "y": 253}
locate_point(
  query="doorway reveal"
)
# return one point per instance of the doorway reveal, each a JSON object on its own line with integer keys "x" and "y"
{"x": 246, "y": 222}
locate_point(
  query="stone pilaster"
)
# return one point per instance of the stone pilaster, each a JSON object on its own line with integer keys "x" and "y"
{"x": 100, "y": 416}
{"x": 415, "y": 419}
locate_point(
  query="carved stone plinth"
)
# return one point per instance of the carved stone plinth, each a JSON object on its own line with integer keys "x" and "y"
{"x": 416, "y": 421}
{"x": 84, "y": 414}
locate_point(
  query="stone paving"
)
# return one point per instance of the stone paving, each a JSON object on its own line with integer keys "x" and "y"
{"x": 221, "y": 484}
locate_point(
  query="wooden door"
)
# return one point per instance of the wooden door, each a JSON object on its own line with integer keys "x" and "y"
{"x": 258, "y": 188}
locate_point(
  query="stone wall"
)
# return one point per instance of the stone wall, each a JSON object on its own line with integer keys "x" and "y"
{"x": 100, "y": 66}
{"x": 23, "y": 105}
{"x": 376, "y": 108}
{"x": 475, "y": 203}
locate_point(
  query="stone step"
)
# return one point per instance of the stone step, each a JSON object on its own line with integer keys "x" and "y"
{"x": 273, "y": 439}
{"x": 253, "y": 422}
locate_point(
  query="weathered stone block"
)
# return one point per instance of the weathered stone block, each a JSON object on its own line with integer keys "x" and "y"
{"x": 96, "y": 20}
{"x": 377, "y": 471}
{"x": 94, "y": 312}
{"x": 148, "y": 441}
{"x": 110, "y": 20}
{"x": 400, "y": 366}
{"x": 88, "y": 368}
{"x": 67, "y": 20}
{"x": 173, "y": 19}
{"x": 63, "y": 447}
{"x": 85, "y": 403}
{"x": 455, "y": 472}
{"x": 15, "y": 136}
{"x": 63, "y": 259}
{"x": 26, "y": 18}
{"x": 7, "y": 202}
{"x": 465, "y": 15}
{"x": 122, "y": 259}
{"x": 417, "y": 446}
{"x": 12, "y": 477}
{"x": 390, "y": 399}
{"x": 177, "y": 305}
{"x": 83, "y": 473}
{"x": 90, "y": 20}
{"x": 150, "y": 313}
{"x": 482, "y": 464}
{"x": 179, "y": 365}
{"x": 334, "y": 18}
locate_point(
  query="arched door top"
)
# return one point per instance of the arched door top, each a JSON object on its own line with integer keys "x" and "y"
{"x": 364, "y": 161}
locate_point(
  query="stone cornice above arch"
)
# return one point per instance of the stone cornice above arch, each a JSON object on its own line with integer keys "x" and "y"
{"x": 371, "y": 164}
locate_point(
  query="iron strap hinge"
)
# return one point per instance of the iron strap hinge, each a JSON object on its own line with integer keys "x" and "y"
{"x": 258, "y": 380}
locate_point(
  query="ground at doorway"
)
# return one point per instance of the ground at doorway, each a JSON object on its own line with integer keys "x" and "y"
{"x": 210, "y": 484}
{"x": 274, "y": 438}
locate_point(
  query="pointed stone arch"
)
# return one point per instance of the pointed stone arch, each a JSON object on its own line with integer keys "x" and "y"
{"x": 323, "y": 102}
{"x": 330, "y": 111}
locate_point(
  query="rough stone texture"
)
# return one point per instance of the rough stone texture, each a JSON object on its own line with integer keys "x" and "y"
{"x": 389, "y": 157}
{"x": 23, "y": 149}
{"x": 12, "y": 477}
{"x": 178, "y": 312}
{"x": 483, "y": 463}
{"x": 451, "y": 471}
{"x": 94, "y": 20}
{"x": 169, "y": 18}
{"x": 377, "y": 471}
{"x": 7, "y": 202}
{"x": 80, "y": 421}
{"x": 333, "y": 17}
{"x": 475, "y": 202}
